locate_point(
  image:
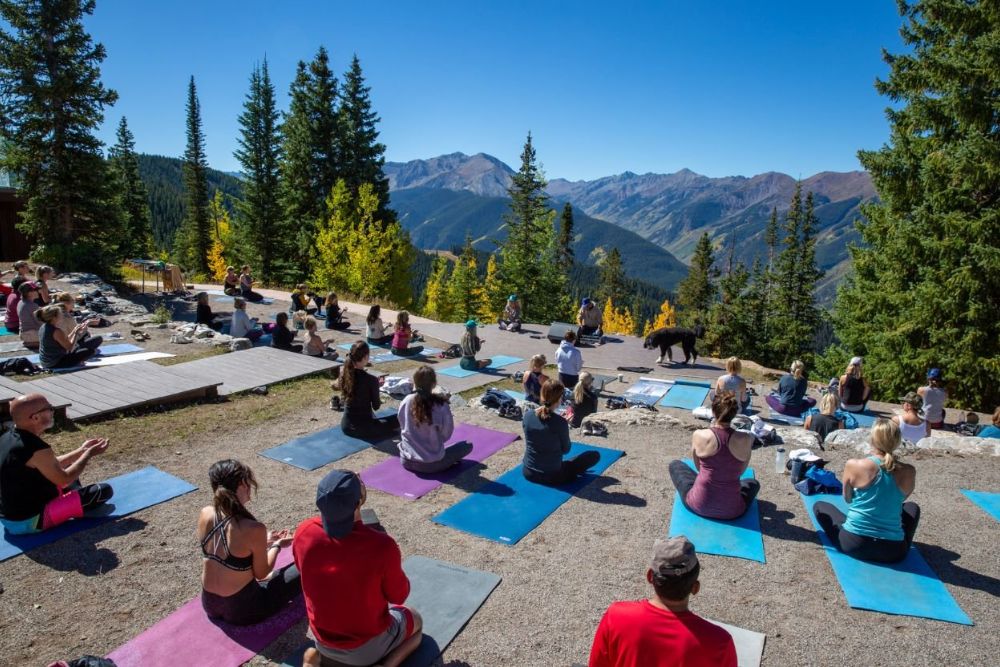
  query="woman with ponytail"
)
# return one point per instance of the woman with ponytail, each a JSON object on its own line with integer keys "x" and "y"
{"x": 720, "y": 455}
{"x": 240, "y": 584}
{"x": 878, "y": 525}
{"x": 360, "y": 392}
{"x": 426, "y": 424}
{"x": 546, "y": 440}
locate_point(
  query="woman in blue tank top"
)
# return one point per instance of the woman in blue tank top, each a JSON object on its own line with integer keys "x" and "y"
{"x": 878, "y": 525}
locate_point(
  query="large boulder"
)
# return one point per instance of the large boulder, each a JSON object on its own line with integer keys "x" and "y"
{"x": 856, "y": 438}
{"x": 963, "y": 444}
{"x": 796, "y": 437}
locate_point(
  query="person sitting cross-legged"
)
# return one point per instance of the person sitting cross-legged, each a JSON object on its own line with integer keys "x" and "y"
{"x": 401, "y": 335}
{"x": 510, "y": 320}
{"x": 282, "y": 337}
{"x": 302, "y": 298}
{"x": 853, "y": 387}
{"x": 426, "y": 424}
{"x": 353, "y": 582}
{"x": 66, "y": 301}
{"x": 825, "y": 421}
{"x": 912, "y": 425}
{"x": 720, "y": 454}
{"x": 535, "y": 378}
{"x": 240, "y": 584}
{"x": 56, "y": 348}
{"x": 204, "y": 314}
{"x": 546, "y": 440}
{"x": 471, "y": 344}
{"x": 242, "y": 325}
{"x": 569, "y": 360}
{"x": 878, "y": 525}
{"x": 27, "y": 307}
{"x": 734, "y": 382}
{"x": 335, "y": 314}
{"x": 791, "y": 399}
{"x": 316, "y": 346}
{"x": 662, "y": 631}
{"x": 374, "y": 328}
{"x": 590, "y": 318}
{"x": 361, "y": 396}
{"x": 585, "y": 399}
{"x": 39, "y": 490}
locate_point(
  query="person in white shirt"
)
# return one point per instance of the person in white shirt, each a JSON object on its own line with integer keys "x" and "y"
{"x": 569, "y": 361}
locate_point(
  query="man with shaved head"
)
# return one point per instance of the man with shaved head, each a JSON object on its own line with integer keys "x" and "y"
{"x": 39, "y": 490}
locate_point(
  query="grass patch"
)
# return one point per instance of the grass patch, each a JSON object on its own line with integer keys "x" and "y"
{"x": 200, "y": 351}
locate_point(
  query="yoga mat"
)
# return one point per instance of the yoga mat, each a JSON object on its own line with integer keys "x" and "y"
{"x": 498, "y": 361}
{"x": 189, "y": 637}
{"x": 446, "y": 596}
{"x": 686, "y": 395}
{"x": 749, "y": 644}
{"x": 383, "y": 357}
{"x": 647, "y": 390}
{"x": 347, "y": 346}
{"x": 316, "y": 450}
{"x": 988, "y": 502}
{"x": 133, "y": 491}
{"x": 229, "y": 299}
{"x": 104, "y": 351}
{"x": 125, "y": 359}
{"x": 907, "y": 588}
{"x": 516, "y": 395}
{"x": 736, "y": 538}
{"x": 390, "y": 475}
{"x": 864, "y": 419}
{"x": 5, "y": 332}
{"x": 16, "y": 346}
{"x": 511, "y": 507}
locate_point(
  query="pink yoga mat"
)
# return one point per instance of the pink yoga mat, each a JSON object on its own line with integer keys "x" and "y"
{"x": 188, "y": 637}
{"x": 391, "y": 477}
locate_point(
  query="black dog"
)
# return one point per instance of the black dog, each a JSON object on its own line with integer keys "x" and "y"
{"x": 667, "y": 337}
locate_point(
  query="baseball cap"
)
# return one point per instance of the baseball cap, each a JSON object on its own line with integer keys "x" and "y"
{"x": 673, "y": 557}
{"x": 337, "y": 496}
{"x": 512, "y": 297}
{"x": 471, "y": 324}
{"x": 586, "y": 300}
{"x": 914, "y": 399}
{"x": 934, "y": 374}
{"x": 856, "y": 361}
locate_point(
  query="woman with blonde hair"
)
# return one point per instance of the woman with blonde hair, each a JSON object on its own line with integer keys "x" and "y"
{"x": 56, "y": 348}
{"x": 42, "y": 275}
{"x": 878, "y": 525}
{"x": 546, "y": 440}
{"x": 825, "y": 422}
{"x": 734, "y": 382}
{"x": 471, "y": 343}
{"x": 316, "y": 346}
{"x": 66, "y": 301}
{"x": 401, "y": 335}
{"x": 535, "y": 378}
{"x": 791, "y": 399}
{"x": 584, "y": 399}
{"x": 853, "y": 387}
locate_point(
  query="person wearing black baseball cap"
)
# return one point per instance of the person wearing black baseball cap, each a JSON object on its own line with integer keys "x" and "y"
{"x": 662, "y": 631}
{"x": 935, "y": 395}
{"x": 353, "y": 581}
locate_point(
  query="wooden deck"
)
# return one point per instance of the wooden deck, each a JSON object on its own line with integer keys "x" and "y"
{"x": 99, "y": 391}
{"x": 11, "y": 389}
{"x": 246, "y": 369}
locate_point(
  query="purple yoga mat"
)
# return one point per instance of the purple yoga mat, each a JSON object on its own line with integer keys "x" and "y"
{"x": 188, "y": 637}
{"x": 390, "y": 476}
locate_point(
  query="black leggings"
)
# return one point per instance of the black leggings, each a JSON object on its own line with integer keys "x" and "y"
{"x": 255, "y": 601}
{"x": 74, "y": 358}
{"x": 570, "y": 470}
{"x": 831, "y": 520}
{"x": 452, "y": 455}
{"x": 568, "y": 381}
{"x": 408, "y": 352}
{"x": 683, "y": 478}
{"x": 93, "y": 495}
{"x": 384, "y": 340}
{"x": 372, "y": 430}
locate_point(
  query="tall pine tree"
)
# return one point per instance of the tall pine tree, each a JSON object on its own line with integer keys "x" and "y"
{"x": 51, "y": 99}
{"x": 259, "y": 216}
{"x": 465, "y": 291}
{"x": 613, "y": 282}
{"x": 696, "y": 293}
{"x": 566, "y": 238}
{"x": 362, "y": 157}
{"x": 926, "y": 285}
{"x": 131, "y": 198}
{"x": 300, "y": 206}
{"x": 194, "y": 237}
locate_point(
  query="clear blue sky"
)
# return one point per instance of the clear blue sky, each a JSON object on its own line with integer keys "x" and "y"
{"x": 723, "y": 88}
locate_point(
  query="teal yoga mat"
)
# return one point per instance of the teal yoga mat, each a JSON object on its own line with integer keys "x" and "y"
{"x": 907, "y": 588}
{"x": 511, "y": 507}
{"x": 133, "y": 491}
{"x": 499, "y": 361}
{"x": 686, "y": 395}
{"x": 736, "y": 538}
{"x": 988, "y": 502}
{"x": 316, "y": 450}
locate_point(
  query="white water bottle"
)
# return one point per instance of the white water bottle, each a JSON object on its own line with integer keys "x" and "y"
{"x": 779, "y": 460}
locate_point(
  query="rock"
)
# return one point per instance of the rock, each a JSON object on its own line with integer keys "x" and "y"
{"x": 635, "y": 417}
{"x": 962, "y": 444}
{"x": 852, "y": 438}
{"x": 796, "y": 437}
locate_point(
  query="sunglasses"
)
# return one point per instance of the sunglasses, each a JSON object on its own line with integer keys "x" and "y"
{"x": 47, "y": 408}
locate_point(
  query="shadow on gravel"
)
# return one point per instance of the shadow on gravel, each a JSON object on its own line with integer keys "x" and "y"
{"x": 595, "y": 492}
{"x": 80, "y": 552}
{"x": 775, "y": 523}
{"x": 942, "y": 561}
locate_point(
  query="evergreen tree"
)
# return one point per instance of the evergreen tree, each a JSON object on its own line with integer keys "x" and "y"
{"x": 465, "y": 293}
{"x": 437, "y": 306}
{"x": 926, "y": 285}
{"x": 361, "y": 155}
{"x": 613, "y": 282}
{"x": 300, "y": 204}
{"x": 194, "y": 236}
{"x": 566, "y": 238}
{"x": 771, "y": 237}
{"x": 696, "y": 293}
{"x": 259, "y": 154}
{"x": 136, "y": 239}
{"x": 51, "y": 99}
{"x": 728, "y": 332}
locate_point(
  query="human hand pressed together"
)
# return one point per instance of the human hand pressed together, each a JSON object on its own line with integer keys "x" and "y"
{"x": 95, "y": 446}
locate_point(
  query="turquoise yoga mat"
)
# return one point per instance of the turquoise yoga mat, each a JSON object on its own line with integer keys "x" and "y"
{"x": 988, "y": 502}
{"x": 686, "y": 395}
{"x": 736, "y": 538}
{"x": 4, "y": 331}
{"x": 498, "y": 362}
{"x": 907, "y": 588}
{"x": 511, "y": 507}
{"x": 316, "y": 450}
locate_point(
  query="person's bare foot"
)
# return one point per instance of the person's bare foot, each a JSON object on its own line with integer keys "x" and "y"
{"x": 311, "y": 658}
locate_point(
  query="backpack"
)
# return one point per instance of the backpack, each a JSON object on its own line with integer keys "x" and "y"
{"x": 967, "y": 429}
{"x": 496, "y": 399}
{"x": 511, "y": 411}
{"x": 453, "y": 352}
{"x": 18, "y": 366}
{"x": 616, "y": 403}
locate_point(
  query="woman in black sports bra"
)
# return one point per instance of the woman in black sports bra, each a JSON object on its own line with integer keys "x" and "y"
{"x": 240, "y": 584}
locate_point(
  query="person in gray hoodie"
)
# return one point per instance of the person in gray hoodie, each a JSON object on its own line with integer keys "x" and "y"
{"x": 426, "y": 424}
{"x": 569, "y": 361}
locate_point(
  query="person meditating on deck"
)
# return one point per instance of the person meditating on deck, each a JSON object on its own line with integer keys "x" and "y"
{"x": 361, "y": 398}
{"x": 471, "y": 344}
{"x": 720, "y": 455}
{"x": 374, "y": 328}
{"x": 39, "y": 490}
{"x": 56, "y": 348}
{"x": 878, "y": 526}
{"x": 662, "y": 631}
{"x": 546, "y": 439}
{"x": 353, "y": 582}
{"x": 534, "y": 379}
{"x": 853, "y": 387}
{"x": 825, "y": 421}
{"x": 569, "y": 360}
{"x": 239, "y": 582}
{"x": 510, "y": 319}
{"x": 791, "y": 399}
{"x": 590, "y": 318}
{"x": 282, "y": 337}
{"x": 401, "y": 335}
{"x": 316, "y": 346}
{"x": 734, "y": 382}
{"x": 426, "y": 423}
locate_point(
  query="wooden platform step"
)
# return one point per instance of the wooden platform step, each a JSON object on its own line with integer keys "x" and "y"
{"x": 246, "y": 369}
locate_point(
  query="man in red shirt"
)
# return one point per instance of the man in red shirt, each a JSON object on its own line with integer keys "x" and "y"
{"x": 660, "y": 631}
{"x": 353, "y": 582}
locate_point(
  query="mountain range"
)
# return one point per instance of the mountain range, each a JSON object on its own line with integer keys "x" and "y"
{"x": 669, "y": 210}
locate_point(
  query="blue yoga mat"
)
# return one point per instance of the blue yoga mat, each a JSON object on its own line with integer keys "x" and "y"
{"x": 686, "y": 395}
{"x": 347, "y": 346}
{"x": 104, "y": 351}
{"x": 4, "y": 331}
{"x": 737, "y": 538}
{"x": 499, "y": 361}
{"x": 315, "y": 450}
{"x": 864, "y": 419}
{"x": 907, "y": 588}
{"x": 988, "y": 502}
{"x": 228, "y": 299}
{"x": 511, "y": 507}
{"x": 133, "y": 491}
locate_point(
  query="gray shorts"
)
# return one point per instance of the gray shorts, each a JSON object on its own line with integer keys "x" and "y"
{"x": 376, "y": 648}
